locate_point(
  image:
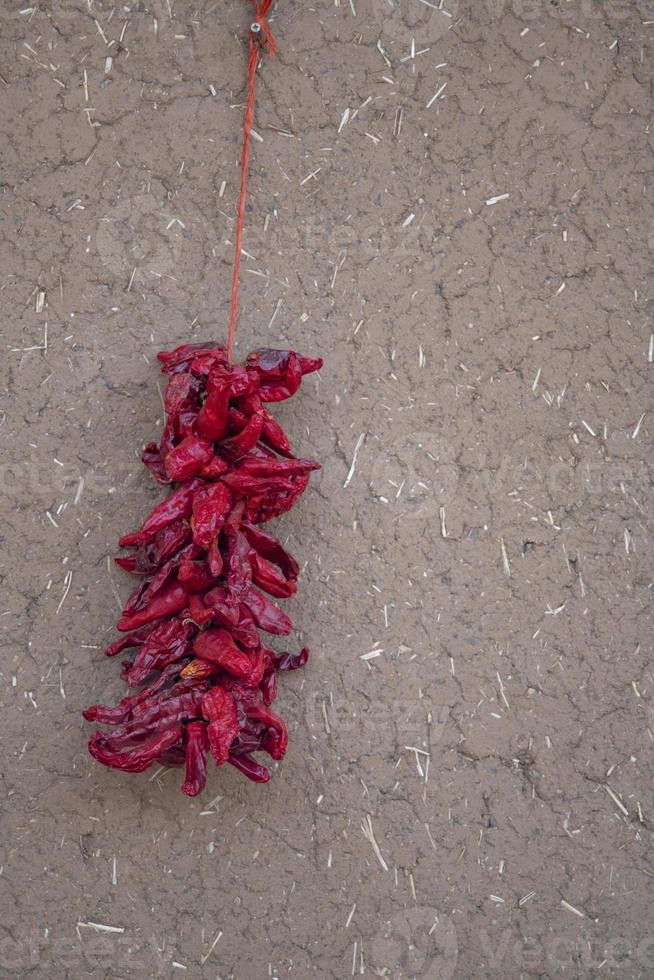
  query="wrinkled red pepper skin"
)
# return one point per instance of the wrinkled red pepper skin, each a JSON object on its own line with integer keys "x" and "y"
{"x": 178, "y": 505}
{"x": 195, "y": 576}
{"x": 155, "y": 715}
{"x": 269, "y": 547}
{"x": 188, "y": 458}
{"x": 169, "y": 601}
{"x": 124, "y": 710}
{"x": 290, "y": 661}
{"x": 219, "y": 708}
{"x": 268, "y": 578}
{"x": 239, "y": 565}
{"x": 249, "y": 767}
{"x": 224, "y": 611}
{"x": 211, "y": 506}
{"x": 269, "y": 685}
{"x": 197, "y": 746}
{"x": 217, "y": 646}
{"x": 266, "y": 615}
{"x": 214, "y": 415}
{"x": 137, "y": 759}
{"x": 206, "y": 679}
{"x": 149, "y": 557}
{"x": 168, "y": 643}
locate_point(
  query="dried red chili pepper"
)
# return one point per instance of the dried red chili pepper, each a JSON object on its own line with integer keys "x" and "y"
{"x": 276, "y": 467}
{"x": 178, "y": 505}
{"x": 219, "y": 709}
{"x": 215, "y": 467}
{"x": 171, "y": 600}
{"x": 153, "y": 585}
{"x": 151, "y": 556}
{"x": 272, "y": 364}
{"x": 239, "y": 564}
{"x": 195, "y": 576}
{"x": 214, "y": 414}
{"x": 174, "y": 756}
{"x": 152, "y": 458}
{"x": 197, "y": 746}
{"x": 211, "y": 505}
{"x": 187, "y": 458}
{"x": 269, "y": 685}
{"x": 266, "y": 614}
{"x": 135, "y": 759}
{"x": 199, "y": 670}
{"x": 124, "y": 709}
{"x": 246, "y": 438}
{"x": 198, "y": 613}
{"x": 249, "y": 767}
{"x": 218, "y": 647}
{"x": 182, "y": 393}
{"x": 224, "y": 611}
{"x": 270, "y": 579}
{"x": 214, "y": 557}
{"x": 245, "y": 631}
{"x": 168, "y": 642}
{"x": 290, "y": 661}
{"x": 269, "y": 547}
{"x": 272, "y": 434}
{"x": 131, "y": 640}
{"x": 182, "y": 357}
{"x": 276, "y": 500}
{"x": 155, "y": 714}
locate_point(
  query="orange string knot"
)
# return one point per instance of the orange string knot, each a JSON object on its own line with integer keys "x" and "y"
{"x": 260, "y": 30}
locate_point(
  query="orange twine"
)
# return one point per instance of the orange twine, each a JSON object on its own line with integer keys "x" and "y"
{"x": 260, "y": 37}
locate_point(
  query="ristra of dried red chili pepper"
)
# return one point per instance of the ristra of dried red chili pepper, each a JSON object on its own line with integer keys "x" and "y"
{"x": 193, "y": 621}
{"x": 193, "y": 624}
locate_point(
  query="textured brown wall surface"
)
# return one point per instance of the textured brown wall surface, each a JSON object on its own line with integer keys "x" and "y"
{"x": 473, "y": 261}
